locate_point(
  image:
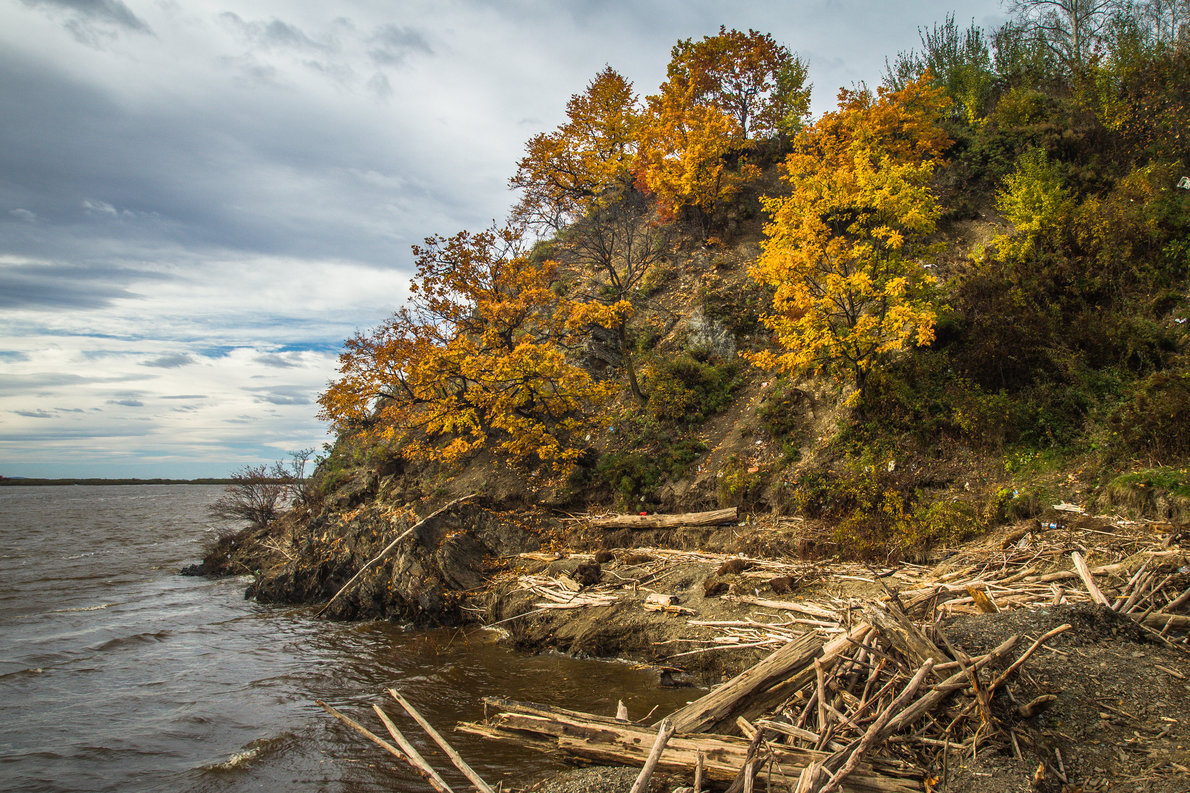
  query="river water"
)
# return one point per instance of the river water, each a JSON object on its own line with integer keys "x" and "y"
{"x": 117, "y": 674}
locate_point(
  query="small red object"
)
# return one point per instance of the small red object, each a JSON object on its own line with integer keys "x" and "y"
{"x": 643, "y": 512}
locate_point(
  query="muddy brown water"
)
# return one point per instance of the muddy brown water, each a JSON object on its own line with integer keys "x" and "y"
{"x": 117, "y": 674}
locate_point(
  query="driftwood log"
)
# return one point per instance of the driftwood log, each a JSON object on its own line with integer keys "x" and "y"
{"x": 600, "y": 738}
{"x": 759, "y": 687}
{"x": 713, "y": 518}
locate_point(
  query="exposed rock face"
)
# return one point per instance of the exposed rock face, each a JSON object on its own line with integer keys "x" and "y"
{"x": 420, "y": 581}
{"x": 711, "y": 335}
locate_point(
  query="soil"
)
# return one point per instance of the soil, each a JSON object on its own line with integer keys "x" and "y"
{"x": 1121, "y": 721}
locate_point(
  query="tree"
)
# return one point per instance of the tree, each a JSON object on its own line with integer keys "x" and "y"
{"x": 1070, "y": 29}
{"x": 748, "y": 76}
{"x": 845, "y": 251}
{"x": 719, "y": 91}
{"x": 584, "y": 160}
{"x": 479, "y": 358}
{"x": 960, "y": 62}
{"x": 619, "y": 242}
{"x": 257, "y": 494}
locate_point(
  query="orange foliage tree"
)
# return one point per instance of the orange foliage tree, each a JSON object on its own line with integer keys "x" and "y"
{"x": 588, "y": 158}
{"x": 478, "y": 358}
{"x": 846, "y": 251}
{"x": 719, "y": 92}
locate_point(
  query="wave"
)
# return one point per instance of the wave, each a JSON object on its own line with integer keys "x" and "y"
{"x": 251, "y": 752}
{"x": 100, "y": 607}
{"x": 136, "y": 638}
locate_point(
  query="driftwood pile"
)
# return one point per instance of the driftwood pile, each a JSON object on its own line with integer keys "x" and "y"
{"x": 864, "y": 694}
{"x": 861, "y": 694}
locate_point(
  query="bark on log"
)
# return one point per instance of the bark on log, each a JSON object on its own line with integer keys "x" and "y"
{"x": 719, "y": 705}
{"x": 1084, "y": 572}
{"x": 713, "y": 518}
{"x": 663, "y": 735}
{"x": 895, "y": 626}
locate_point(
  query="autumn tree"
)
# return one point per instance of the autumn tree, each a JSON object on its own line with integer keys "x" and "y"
{"x": 846, "y": 251}
{"x": 748, "y": 76}
{"x": 478, "y": 358}
{"x": 719, "y": 92}
{"x": 586, "y": 159}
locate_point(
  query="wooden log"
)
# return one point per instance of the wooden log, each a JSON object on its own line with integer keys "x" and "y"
{"x": 1159, "y": 620}
{"x": 849, "y": 758}
{"x": 362, "y": 730}
{"x": 454, "y": 756}
{"x": 785, "y": 769}
{"x": 756, "y": 689}
{"x": 900, "y": 631}
{"x": 719, "y": 705}
{"x": 413, "y": 756}
{"x": 713, "y": 518}
{"x": 376, "y": 739}
{"x": 947, "y": 687}
{"x": 665, "y": 732}
{"x": 801, "y": 608}
{"x": 600, "y": 738}
{"x": 763, "y": 702}
{"x": 1080, "y": 566}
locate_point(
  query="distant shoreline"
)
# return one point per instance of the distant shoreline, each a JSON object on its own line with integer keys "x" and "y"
{"x": 7, "y": 482}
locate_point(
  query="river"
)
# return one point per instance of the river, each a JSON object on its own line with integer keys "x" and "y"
{"x": 117, "y": 674}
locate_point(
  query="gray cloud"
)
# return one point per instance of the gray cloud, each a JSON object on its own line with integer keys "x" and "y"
{"x": 172, "y": 361}
{"x": 92, "y": 22}
{"x": 55, "y": 286}
{"x": 128, "y": 402}
{"x": 111, "y": 12}
{"x": 34, "y": 384}
{"x": 35, "y": 414}
{"x": 274, "y": 33}
{"x": 23, "y": 214}
{"x": 111, "y": 178}
{"x": 282, "y": 395}
{"x": 277, "y": 361}
{"x": 390, "y": 45}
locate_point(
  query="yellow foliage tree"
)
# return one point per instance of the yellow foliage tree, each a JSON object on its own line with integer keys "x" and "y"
{"x": 684, "y": 152}
{"x": 480, "y": 357}
{"x": 845, "y": 252}
{"x": 563, "y": 173}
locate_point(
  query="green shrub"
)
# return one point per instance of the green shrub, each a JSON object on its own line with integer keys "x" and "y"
{"x": 783, "y": 411}
{"x": 875, "y": 517}
{"x": 1155, "y": 423}
{"x": 636, "y": 475}
{"x": 684, "y": 390}
{"x": 740, "y": 486}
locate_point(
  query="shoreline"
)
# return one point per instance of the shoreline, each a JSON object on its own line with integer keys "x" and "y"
{"x": 701, "y": 605}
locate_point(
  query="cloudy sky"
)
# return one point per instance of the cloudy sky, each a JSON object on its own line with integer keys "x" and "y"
{"x": 200, "y": 199}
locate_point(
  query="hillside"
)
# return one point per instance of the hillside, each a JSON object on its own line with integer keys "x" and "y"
{"x": 950, "y": 315}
